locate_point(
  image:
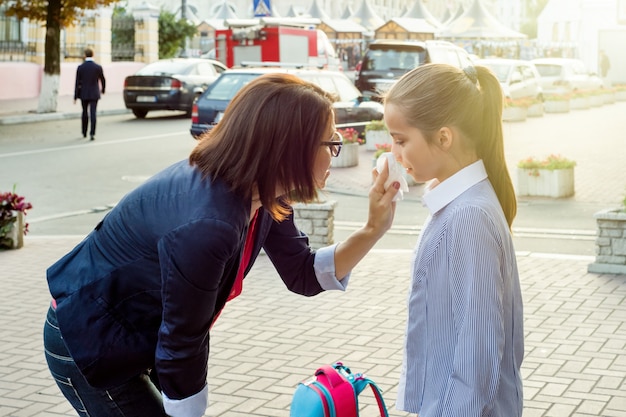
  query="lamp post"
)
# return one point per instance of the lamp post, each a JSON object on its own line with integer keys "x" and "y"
{"x": 183, "y": 16}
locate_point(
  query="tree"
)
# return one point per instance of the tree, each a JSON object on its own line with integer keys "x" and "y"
{"x": 57, "y": 14}
{"x": 172, "y": 34}
{"x": 533, "y": 10}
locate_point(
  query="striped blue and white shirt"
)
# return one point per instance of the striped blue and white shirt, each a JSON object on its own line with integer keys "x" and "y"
{"x": 464, "y": 339}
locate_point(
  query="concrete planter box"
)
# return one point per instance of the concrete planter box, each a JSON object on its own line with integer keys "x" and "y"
{"x": 14, "y": 238}
{"x": 554, "y": 106}
{"x": 545, "y": 183}
{"x": 610, "y": 242}
{"x": 317, "y": 221}
{"x": 579, "y": 103}
{"x": 596, "y": 100}
{"x": 514, "y": 114}
{"x": 348, "y": 157}
{"x": 535, "y": 110}
{"x": 620, "y": 95}
{"x": 376, "y": 137}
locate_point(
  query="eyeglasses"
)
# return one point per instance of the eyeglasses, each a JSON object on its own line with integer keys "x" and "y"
{"x": 334, "y": 144}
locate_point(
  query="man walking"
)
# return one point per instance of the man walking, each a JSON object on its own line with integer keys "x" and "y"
{"x": 87, "y": 90}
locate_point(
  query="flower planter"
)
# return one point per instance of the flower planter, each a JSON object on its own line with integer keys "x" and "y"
{"x": 13, "y": 234}
{"x": 596, "y": 100}
{"x": 514, "y": 114}
{"x": 610, "y": 242}
{"x": 535, "y": 110}
{"x": 620, "y": 95}
{"x": 608, "y": 97}
{"x": 545, "y": 183}
{"x": 376, "y": 137}
{"x": 579, "y": 103}
{"x": 556, "y": 106}
{"x": 348, "y": 157}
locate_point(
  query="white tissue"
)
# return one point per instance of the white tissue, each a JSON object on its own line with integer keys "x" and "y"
{"x": 396, "y": 173}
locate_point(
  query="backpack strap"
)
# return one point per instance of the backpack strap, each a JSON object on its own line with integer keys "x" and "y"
{"x": 361, "y": 382}
{"x": 341, "y": 390}
{"x": 325, "y": 397}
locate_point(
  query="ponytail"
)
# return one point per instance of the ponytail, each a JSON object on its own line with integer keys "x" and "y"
{"x": 490, "y": 144}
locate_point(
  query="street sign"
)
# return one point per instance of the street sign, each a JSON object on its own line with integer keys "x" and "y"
{"x": 262, "y": 8}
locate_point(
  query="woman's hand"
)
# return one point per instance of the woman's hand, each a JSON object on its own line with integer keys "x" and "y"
{"x": 381, "y": 205}
{"x": 381, "y": 211}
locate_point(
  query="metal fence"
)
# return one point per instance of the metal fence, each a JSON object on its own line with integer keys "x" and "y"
{"x": 16, "y": 51}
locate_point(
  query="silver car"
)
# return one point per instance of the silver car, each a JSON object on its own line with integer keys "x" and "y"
{"x": 565, "y": 75}
{"x": 518, "y": 78}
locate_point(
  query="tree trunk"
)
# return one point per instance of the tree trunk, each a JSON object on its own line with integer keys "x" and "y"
{"x": 52, "y": 67}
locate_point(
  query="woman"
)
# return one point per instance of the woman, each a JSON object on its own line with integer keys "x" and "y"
{"x": 127, "y": 333}
{"x": 464, "y": 342}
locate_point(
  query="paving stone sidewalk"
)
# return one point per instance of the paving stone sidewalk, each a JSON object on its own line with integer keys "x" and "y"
{"x": 268, "y": 339}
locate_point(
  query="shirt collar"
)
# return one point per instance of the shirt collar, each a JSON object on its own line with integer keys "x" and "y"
{"x": 438, "y": 195}
{"x": 89, "y": 59}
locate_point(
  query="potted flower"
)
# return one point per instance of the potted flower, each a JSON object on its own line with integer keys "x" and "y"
{"x": 349, "y": 155}
{"x": 515, "y": 110}
{"x": 557, "y": 103}
{"x": 535, "y": 109}
{"x": 13, "y": 208}
{"x": 580, "y": 100}
{"x": 620, "y": 92}
{"x": 549, "y": 177}
{"x": 376, "y": 133}
{"x": 610, "y": 241}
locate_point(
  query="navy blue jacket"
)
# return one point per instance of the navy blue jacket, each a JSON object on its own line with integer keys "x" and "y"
{"x": 142, "y": 289}
{"x": 87, "y": 76}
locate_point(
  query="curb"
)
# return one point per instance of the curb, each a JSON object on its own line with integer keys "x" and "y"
{"x": 33, "y": 117}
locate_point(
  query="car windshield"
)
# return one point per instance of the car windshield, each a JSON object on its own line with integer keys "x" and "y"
{"x": 546, "y": 70}
{"x": 393, "y": 59}
{"x": 500, "y": 71}
{"x": 227, "y": 85}
{"x": 165, "y": 68}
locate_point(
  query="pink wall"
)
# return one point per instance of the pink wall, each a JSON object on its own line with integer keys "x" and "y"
{"x": 23, "y": 79}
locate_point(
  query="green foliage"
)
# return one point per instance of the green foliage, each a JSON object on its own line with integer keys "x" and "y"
{"x": 375, "y": 125}
{"x": 38, "y": 10}
{"x": 172, "y": 34}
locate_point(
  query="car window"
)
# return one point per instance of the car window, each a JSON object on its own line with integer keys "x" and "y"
{"x": 500, "y": 71}
{"x": 204, "y": 68}
{"x": 527, "y": 72}
{"x": 166, "y": 68}
{"x": 218, "y": 69}
{"x": 393, "y": 59}
{"x": 227, "y": 85}
{"x": 548, "y": 70}
{"x": 347, "y": 90}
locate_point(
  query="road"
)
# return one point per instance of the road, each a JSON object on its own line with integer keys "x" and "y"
{"x": 72, "y": 182}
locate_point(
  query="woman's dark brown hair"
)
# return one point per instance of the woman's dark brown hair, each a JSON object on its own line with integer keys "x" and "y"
{"x": 436, "y": 95}
{"x": 269, "y": 136}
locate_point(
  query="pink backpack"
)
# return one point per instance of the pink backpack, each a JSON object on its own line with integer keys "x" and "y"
{"x": 333, "y": 392}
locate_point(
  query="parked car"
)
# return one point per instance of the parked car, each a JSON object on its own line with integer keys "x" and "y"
{"x": 385, "y": 61}
{"x": 351, "y": 108}
{"x": 565, "y": 75}
{"x": 169, "y": 84}
{"x": 518, "y": 78}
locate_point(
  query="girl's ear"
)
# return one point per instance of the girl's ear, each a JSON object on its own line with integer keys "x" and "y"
{"x": 445, "y": 138}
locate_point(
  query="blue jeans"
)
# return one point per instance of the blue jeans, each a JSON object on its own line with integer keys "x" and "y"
{"x": 138, "y": 397}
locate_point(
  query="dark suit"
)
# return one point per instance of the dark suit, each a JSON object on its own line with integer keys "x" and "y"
{"x": 87, "y": 90}
{"x": 142, "y": 290}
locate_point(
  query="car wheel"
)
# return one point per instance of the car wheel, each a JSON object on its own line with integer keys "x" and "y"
{"x": 139, "y": 113}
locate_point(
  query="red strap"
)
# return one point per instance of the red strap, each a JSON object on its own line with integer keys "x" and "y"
{"x": 341, "y": 390}
{"x": 245, "y": 260}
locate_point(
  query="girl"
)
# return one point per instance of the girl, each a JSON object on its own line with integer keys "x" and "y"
{"x": 464, "y": 341}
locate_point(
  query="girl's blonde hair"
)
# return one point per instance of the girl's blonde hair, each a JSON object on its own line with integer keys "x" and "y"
{"x": 433, "y": 96}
